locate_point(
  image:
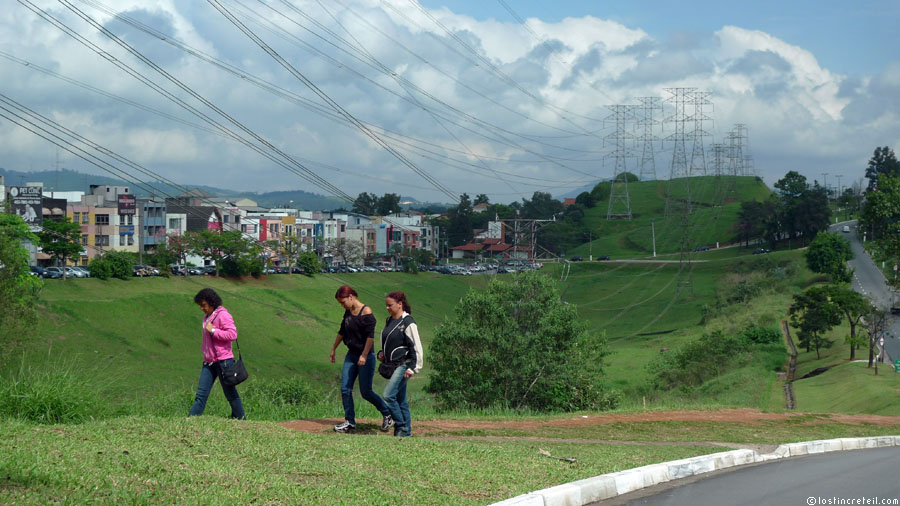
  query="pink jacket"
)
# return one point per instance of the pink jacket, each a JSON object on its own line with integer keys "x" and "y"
{"x": 225, "y": 333}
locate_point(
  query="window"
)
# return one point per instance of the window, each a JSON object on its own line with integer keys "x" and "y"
{"x": 342, "y": 227}
{"x": 121, "y": 219}
{"x": 225, "y": 218}
{"x": 101, "y": 240}
{"x": 101, "y": 219}
{"x": 130, "y": 219}
{"x": 121, "y": 240}
{"x": 84, "y": 240}
{"x": 76, "y": 217}
{"x": 130, "y": 240}
{"x": 237, "y": 219}
{"x": 175, "y": 223}
{"x": 85, "y": 218}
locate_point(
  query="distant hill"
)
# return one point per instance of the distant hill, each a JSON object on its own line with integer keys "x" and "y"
{"x": 70, "y": 180}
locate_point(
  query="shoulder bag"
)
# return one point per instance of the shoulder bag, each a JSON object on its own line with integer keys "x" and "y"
{"x": 235, "y": 373}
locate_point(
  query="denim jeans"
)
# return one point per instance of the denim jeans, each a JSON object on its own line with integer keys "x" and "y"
{"x": 366, "y": 373}
{"x": 395, "y": 398}
{"x": 208, "y": 375}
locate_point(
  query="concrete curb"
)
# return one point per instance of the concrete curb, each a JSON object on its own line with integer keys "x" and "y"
{"x": 611, "y": 485}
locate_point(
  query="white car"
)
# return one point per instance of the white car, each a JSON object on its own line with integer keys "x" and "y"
{"x": 845, "y": 229}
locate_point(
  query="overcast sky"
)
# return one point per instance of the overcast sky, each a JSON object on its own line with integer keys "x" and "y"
{"x": 467, "y": 98}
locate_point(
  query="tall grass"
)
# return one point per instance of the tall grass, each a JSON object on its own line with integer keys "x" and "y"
{"x": 48, "y": 394}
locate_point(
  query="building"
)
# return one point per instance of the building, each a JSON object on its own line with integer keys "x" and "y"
{"x": 152, "y": 214}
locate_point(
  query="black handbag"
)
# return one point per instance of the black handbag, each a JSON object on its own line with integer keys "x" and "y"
{"x": 235, "y": 373}
{"x": 386, "y": 370}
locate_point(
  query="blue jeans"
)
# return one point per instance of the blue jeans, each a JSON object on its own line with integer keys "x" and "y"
{"x": 208, "y": 375}
{"x": 395, "y": 398}
{"x": 366, "y": 373}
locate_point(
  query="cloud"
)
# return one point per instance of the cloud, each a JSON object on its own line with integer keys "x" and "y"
{"x": 530, "y": 102}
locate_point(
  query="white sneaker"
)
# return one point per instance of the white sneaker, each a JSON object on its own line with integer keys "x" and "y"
{"x": 346, "y": 428}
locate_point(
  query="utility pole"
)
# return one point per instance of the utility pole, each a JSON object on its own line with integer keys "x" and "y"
{"x": 653, "y": 236}
{"x": 619, "y": 202}
{"x": 825, "y": 183}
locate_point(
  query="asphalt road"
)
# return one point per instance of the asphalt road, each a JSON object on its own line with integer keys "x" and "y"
{"x": 856, "y": 477}
{"x": 869, "y": 280}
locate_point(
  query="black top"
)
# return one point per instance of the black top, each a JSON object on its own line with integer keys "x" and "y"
{"x": 356, "y": 328}
{"x": 398, "y": 347}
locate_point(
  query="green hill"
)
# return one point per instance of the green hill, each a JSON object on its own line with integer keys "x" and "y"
{"x": 715, "y": 204}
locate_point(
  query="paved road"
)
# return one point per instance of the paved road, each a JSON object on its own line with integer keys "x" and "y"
{"x": 858, "y": 477}
{"x": 869, "y": 280}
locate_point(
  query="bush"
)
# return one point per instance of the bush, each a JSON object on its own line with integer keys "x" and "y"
{"x": 761, "y": 335}
{"x": 517, "y": 345}
{"x": 100, "y": 268}
{"x": 697, "y": 362}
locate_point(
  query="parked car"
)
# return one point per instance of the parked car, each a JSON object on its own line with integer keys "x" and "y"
{"x": 845, "y": 229}
{"x": 139, "y": 270}
{"x": 576, "y": 259}
{"x": 72, "y": 272}
{"x": 761, "y": 251}
{"x": 701, "y": 248}
{"x": 84, "y": 270}
{"x": 36, "y": 271}
{"x": 195, "y": 271}
{"x": 602, "y": 258}
{"x": 53, "y": 272}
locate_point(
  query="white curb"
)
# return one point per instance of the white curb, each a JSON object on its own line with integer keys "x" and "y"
{"x": 605, "y": 486}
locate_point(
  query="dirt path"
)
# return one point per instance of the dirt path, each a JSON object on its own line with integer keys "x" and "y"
{"x": 747, "y": 416}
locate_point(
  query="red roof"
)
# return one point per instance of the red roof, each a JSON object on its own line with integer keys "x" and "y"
{"x": 499, "y": 247}
{"x": 467, "y": 247}
{"x": 568, "y": 202}
{"x": 491, "y": 241}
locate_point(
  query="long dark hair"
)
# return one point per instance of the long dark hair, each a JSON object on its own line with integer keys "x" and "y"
{"x": 400, "y": 297}
{"x": 210, "y": 296}
{"x": 345, "y": 291}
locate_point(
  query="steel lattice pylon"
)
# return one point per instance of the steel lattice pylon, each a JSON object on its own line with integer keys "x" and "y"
{"x": 619, "y": 201}
{"x": 649, "y": 106}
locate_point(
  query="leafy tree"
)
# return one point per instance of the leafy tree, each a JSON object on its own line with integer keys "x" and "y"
{"x": 389, "y": 203}
{"x": 481, "y": 198}
{"x": 697, "y": 362}
{"x": 179, "y": 246}
{"x": 854, "y": 307}
{"x": 813, "y": 314}
{"x": 290, "y": 250}
{"x": 459, "y": 229}
{"x": 586, "y": 199}
{"x": 792, "y": 185}
{"x": 883, "y": 162}
{"x": 881, "y": 212}
{"x": 542, "y": 206}
{"x": 309, "y": 262}
{"x": 876, "y": 323}
{"x": 61, "y": 239}
{"x": 828, "y": 254}
{"x": 517, "y": 344}
{"x": 349, "y": 252}
{"x": 366, "y": 203}
{"x": 18, "y": 288}
{"x": 601, "y": 191}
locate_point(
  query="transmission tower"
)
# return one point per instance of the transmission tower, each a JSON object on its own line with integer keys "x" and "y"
{"x": 736, "y": 143}
{"x": 649, "y": 106}
{"x": 619, "y": 202}
{"x": 521, "y": 234}
{"x": 678, "y": 195}
{"x": 699, "y": 99}
{"x": 679, "y": 174}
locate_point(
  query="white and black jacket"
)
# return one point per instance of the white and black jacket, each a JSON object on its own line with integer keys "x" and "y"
{"x": 400, "y": 342}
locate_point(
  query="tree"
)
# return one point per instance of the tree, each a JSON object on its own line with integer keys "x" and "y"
{"x": 18, "y": 288}
{"x": 459, "y": 230}
{"x": 828, "y": 254}
{"x": 389, "y": 203}
{"x": 517, "y": 344}
{"x": 586, "y": 199}
{"x": 350, "y": 252}
{"x": 179, "y": 246}
{"x": 366, "y": 203}
{"x": 876, "y": 322}
{"x": 883, "y": 162}
{"x": 291, "y": 249}
{"x": 309, "y": 262}
{"x": 792, "y": 185}
{"x": 61, "y": 239}
{"x": 854, "y": 307}
{"x": 813, "y": 314}
{"x": 542, "y": 206}
{"x": 481, "y": 198}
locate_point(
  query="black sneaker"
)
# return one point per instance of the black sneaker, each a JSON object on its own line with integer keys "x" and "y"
{"x": 346, "y": 428}
{"x": 386, "y": 423}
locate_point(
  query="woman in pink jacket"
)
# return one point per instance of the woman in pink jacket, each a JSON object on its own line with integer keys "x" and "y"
{"x": 218, "y": 333}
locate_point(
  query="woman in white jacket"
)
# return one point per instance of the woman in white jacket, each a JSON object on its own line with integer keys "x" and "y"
{"x": 400, "y": 348}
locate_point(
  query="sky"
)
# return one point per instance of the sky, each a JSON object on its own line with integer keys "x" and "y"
{"x": 433, "y": 99}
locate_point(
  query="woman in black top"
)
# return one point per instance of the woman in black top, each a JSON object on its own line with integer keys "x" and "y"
{"x": 358, "y": 333}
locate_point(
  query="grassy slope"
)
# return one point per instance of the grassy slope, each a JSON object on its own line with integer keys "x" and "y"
{"x": 709, "y": 222}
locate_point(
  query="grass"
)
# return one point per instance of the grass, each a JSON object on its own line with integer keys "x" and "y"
{"x": 174, "y": 460}
{"x": 851, "y": 388}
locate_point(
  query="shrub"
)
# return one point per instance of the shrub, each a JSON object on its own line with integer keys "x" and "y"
{"x": 517, "y": 345}
{"x": 761, "y": 335}
{"x": 696, "y": 362}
